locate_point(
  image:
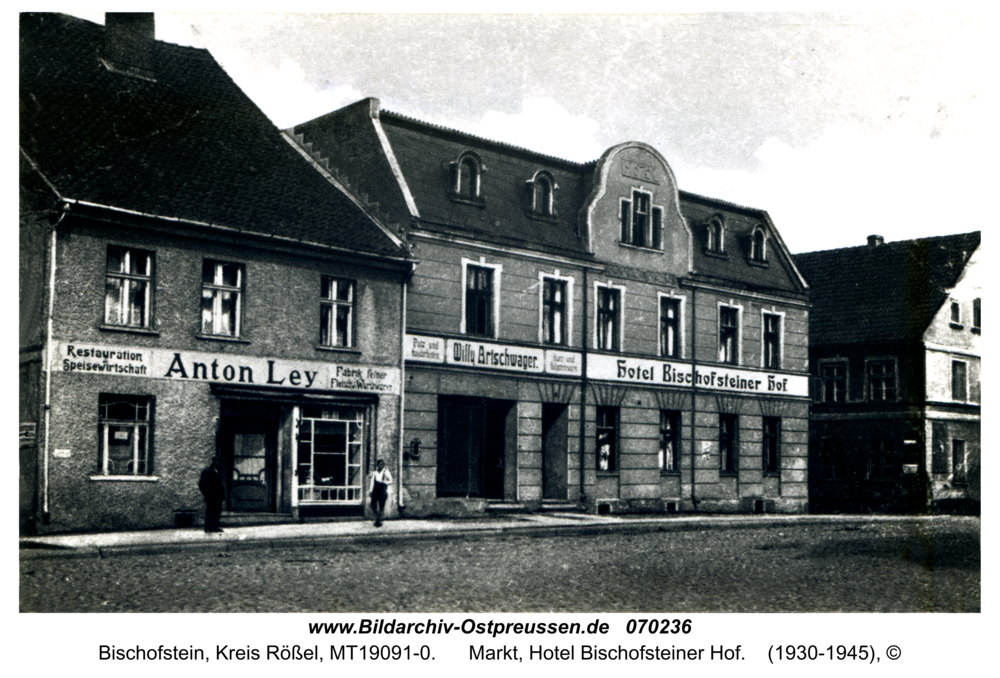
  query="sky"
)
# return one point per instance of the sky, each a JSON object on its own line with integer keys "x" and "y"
{"x": 839, "y": 125}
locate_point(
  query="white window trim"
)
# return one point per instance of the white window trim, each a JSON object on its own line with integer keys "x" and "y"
{"x": 681, "y": 344}
{"x": 621, "y": 313}
{"x": 217, "y": 300}
{"x": 781, "y": 337}
{"x": 127, "y": 280}
{"x": 895, "y": 377}
{"x": 476, "y": 179}
{"x": 497, "y": 272}
{"x": 630, "y": 199}
{"x": 546, "y": 176}
{"x": 762, "y": 259}
{"x": 951, "y": 380}
{"x": 569, "y": 280}
{"x": 325, "y": 302}
{"x": 847, "y": 378}
{"x": 739, "y": 328}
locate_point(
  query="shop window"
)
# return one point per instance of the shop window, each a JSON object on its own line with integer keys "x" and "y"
{"x": 728, "y": 444}
{"x": 607, "y": 439}
{"x": 729, "y": 335}
{"x": 771, "y": 444}
{"x": 124, "y": 435}
{"x": 833, "y": 382}
{"x": 959, "y": 472}
{"x": 977, "y": 315}
{"x": 221, "y": 298}
{"x": 479, "y": 300}
{"x": 128, "y": 287}
{"x": 336, "y": 320}
{"x": 772, "y": 341}
{"x": 831, "y": 459}
{"x": 670, "y": 440}
{"x": 670, "y": 330}
{"x": 608, "y": 318}
{"x": 882, "y": 380}
{"x": 554, "y": 311}
{"x": 329, "y": 455}
{"x": 758, "y": 246}
{"x": 882, "y": 460}
{"x": 959, "y": 381}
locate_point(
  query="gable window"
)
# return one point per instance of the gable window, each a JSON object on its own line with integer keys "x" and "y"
{"x": 670, "y": 334}
{"x": 607, "y": 439}
{"x": 542, "y": 189}
{"x": 729, "y": 330}
{"x": 771, "y": 444}
{"x": 728, "y": 447}
{"x": 670, "y": 440}
{"x": 882, "y": 380}
{"x": 714, "y": 232}
{"x": 336, "y": 320}
{"x": 554, "y": 311}
{"x": 959, "y": 381}
{"x": 479, "y": 301}
{"x": 833, "y": 382}
{"x": 641, "y": 221}
{"x": 467, "y": 174}
{"x": 124, "y": 435}
{"x": 976, "y": 315}
{"x": 772, "y": 341}
{"x": 128, "y": 287}
{"x": 221, "y": 295}
{"x": 608, "y": 326}
{"x": 758, "y": 246}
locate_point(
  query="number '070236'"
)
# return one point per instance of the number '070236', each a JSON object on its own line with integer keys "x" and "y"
{"x": 658, "y": 626}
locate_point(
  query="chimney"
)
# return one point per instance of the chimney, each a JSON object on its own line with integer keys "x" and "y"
{"x": 128, "y": 42}
{"x": 875, "y": 240}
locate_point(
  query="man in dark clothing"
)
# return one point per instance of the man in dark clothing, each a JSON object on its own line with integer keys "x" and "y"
{"x": 213, "y": 485}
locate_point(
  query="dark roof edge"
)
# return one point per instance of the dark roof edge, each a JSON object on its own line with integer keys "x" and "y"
{"x": 894, "y": 242}
{"x": 704, "y": 199}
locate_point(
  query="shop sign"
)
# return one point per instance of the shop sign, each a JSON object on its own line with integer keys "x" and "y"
{"x": 495, "y": 356}
{"x": 664, "y": 373}
{"x": 223, "y": 368}
{"x": 563, "y": 362}
{"x": 424, "y": 349}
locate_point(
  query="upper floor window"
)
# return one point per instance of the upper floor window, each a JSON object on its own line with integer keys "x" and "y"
{"x": 467, "y": 174}
{"x": 670, "y": 332}
{"x": 554, "y": 311}
{"x": 480, "y": 300}
{"x": 128, "y": 287}
{"x": 221, "y": 297}
{"x": 728, "y": 443}
{"x": 336, "y": 320}
{"x": 956, "y": 312}
{"x": 124, "y": 434}
{"x": 833, "y": 382}
{"x": 772, "y": 341}
{"x": 729, "y": 334}
{"x": 641, "y": 221}
{"x": 714, "y": 235}
{"x": 771, "y": 444}
{"x": 882, "y": 380}
{"x": 977, "y": 314}
{"x": 609, "y": 318}
{"x": 959, "y": 381}
{"x": 542, "y": 195}
{"x": 758, "y": 246}
{"x": 670, "y": 440}
{"x": 607, "y": 438}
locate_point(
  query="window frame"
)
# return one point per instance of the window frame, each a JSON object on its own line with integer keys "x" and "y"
{"x": 618, "y": 335}
{"x": 217, "y": 288}
{"x": 823, "y": 380}
{"x": 779, "y": 343}
{"x": 771, "y": 446}
{"x": 140, "y": 460}
{"x": 964, "y": 381}
{"x": 471, "y": 165}
{"x": 329, "y": 311}
{"x": 977, "y": 315}
{"x": 729, "y": 444}
{"x": 629, "y": 211}
{"x": 497, "y": 271}
{"x": 882, "y": 460}
{"x": 737, "y": 334}
{"x": 832, "y": 462}
{"x": 758, "y": 246}
{"x": 567, "y": 320}
{"x": 715, "y": 236}
{"x": 678, "y": 328}
{"x": 610, "y": 429}
{"x": 126, "y": 280}
{"x": 670, "y": 435}
{"x": 870, "y": 380}
{"x": 959, "y": 472}
{"x": 545, "y": 184}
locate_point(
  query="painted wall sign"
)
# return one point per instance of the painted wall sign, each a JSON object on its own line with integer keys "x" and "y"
{"x": 563, "y": 362}
{"x": 485, "y": 355}
{"x": 424, "y": 349}
{"x": 663, "y": 373}
{"x": 223, "y": 368}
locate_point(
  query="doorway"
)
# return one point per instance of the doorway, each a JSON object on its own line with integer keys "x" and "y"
{"x": 555, "y": 435}
{"x": 248, "y": 436}
{"x": 476, "y": 447}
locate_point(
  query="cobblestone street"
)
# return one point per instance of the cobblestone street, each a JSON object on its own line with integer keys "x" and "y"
{"x": 889, "y": 567}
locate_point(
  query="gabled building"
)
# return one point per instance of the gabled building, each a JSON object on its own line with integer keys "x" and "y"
{"x": 190, "y": 285}
{"x": 895, "y": 354}
{"x": 581, "y": 335}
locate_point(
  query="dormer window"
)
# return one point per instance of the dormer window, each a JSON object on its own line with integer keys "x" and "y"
{"x": 467, "y": 174}
{"x": 642, "y": 222}
{"x": 714, "y": 236}
{"x": 758, "y": 246}
{"x": 542, "y": 196}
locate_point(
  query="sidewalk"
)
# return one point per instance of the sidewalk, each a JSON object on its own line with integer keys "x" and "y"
{"x": 102, "y": 545}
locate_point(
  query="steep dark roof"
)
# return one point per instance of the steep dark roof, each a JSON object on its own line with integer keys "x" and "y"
{"x": 885, "y": 293}
{"x": 189, "y": 145}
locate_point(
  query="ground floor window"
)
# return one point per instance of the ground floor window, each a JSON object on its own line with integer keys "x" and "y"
{"x": 670, "y": 440}
{"x": 882, "y": 460}
{"x": 124, "y": 433}
{"x": 607, "y": 439}
{"x": 958, "y": 465}
{"x": 330, "y": 454}
{"x": 831, "y": 459}
{"x": 771, "y": 443}
{"x": 728, "y": 426}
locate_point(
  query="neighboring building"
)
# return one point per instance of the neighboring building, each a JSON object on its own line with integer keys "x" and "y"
{"x": 582, "y": 334}
{"x": 895, "y": 353}
{"x": 190, "y": 284}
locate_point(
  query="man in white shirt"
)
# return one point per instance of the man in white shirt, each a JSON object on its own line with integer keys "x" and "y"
{"x": 379, "y": 490}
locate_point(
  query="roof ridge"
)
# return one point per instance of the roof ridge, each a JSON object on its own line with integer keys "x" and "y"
{"x": 892, "y": 243}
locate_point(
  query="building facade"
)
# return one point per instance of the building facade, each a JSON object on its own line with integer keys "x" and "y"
{"x": 581, "y": 335}
{"x": 191, "y": 285}
{"x": 895, "y": 352}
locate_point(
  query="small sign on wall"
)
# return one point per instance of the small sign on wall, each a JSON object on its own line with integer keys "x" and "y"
{"x": 26, "y": 433}
{"x": 62, "y": 454}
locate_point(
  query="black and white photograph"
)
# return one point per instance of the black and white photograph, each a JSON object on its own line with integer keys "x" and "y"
{"x": 477, "y": 338}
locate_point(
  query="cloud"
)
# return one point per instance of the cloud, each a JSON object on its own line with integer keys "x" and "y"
{"x": 543, "y": 125}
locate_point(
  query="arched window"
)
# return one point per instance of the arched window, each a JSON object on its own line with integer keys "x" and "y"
{"x": 758, "y": 245}
{"x": 715, "y": 233}
{"x": 467, "y": 178}
{"x": 542, "y": 189}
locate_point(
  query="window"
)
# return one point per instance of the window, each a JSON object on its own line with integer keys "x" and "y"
{"x": 758, "y": 246}
{"x": 607, "y": 438}
{"x": 831, "y": 459}
{"x": 956, "y": 312}
{"x": 771, "y": 444}
{"x": 670, "y": 440}
{"x": 336, "y": 320}
{"x": 554, "y": 311}
{"x": 728, "y": 447}
{"x": 958, "y": 464}
{"x": 670, "y": 335}
{"x": 124, "y": 435}
{"x": 882, "y": 460}
{"x": 641, "y": 222}
{"x": 467, "y": 179}
{"x": 729, "y": 335}
{"x": 128, "y": 288}
{"x": 833, "y": 382}
{"x": 543, "y": 195}
{"x": 479, "y": 301}
{"x": 772, "y": 341}
{"x": 959, "y": 382}
{"x": 221, "y": 289}
{"x": 976, "y": 315}
{"x": 882, "y": 380}
{"x": 714, "y": 231}
{"x": 330, "y": 443}
{"x": 608, "y": 318}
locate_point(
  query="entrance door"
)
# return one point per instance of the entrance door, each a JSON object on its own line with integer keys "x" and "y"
{"x": 555, "y": 431}
{"x": 473, "y": 445}
{"x": 249, "y": 442}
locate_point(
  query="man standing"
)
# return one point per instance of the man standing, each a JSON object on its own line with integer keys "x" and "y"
{"x": 213, "y": 486}
{"x": 379, "y": 491}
